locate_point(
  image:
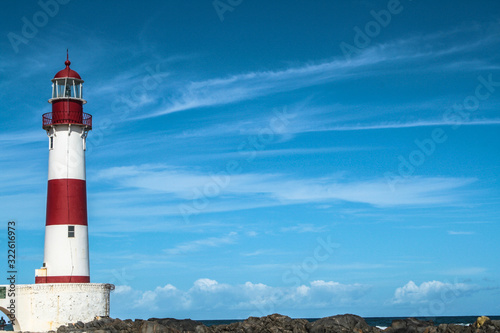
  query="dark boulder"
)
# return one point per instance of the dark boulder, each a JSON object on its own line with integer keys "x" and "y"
{"x": 155, "y": 327}
{"x": 453, "y": 328}
{"x": 274, "y": 323}
{"x": 340, "y": 324}
{"x": 79, "y": 324}
{"x": 182, "y": 325}
{"x": 411, "y": 325}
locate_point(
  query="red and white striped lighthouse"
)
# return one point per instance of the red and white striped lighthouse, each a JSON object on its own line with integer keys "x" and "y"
{"x": 66, "y": 253}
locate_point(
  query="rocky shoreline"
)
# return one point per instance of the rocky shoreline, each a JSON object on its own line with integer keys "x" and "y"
{"x": 276, "y": 323}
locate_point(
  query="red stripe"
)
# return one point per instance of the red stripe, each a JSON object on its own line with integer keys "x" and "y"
{"x": 62, "y": 279}
{"x": 65, "y": 105}
{"x": 66, "y": 202}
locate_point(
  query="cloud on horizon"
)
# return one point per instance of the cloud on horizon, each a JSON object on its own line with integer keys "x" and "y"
{"x": 249, "y": 298}
{"x": 411, "y": 293}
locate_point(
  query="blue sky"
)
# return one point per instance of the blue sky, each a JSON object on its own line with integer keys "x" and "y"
{"x": 248, "y": 157}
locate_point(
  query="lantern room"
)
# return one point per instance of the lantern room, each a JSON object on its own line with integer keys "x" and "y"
{"x": 67, "y": 88}
{"x": 67, "y": 100}
{"x": 67, "y": 83}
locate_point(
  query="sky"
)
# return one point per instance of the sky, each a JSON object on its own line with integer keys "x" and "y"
{"x": 308, "y": 158}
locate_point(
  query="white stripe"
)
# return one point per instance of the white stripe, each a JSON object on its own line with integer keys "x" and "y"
{"x": 67, "y": 157}
{"x": 65, "y": 256}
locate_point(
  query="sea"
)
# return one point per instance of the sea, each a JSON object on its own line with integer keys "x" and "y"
{"x": 380, "y": 322}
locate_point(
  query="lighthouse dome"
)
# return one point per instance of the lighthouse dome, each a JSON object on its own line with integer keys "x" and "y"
{"x": 67, "y": 72}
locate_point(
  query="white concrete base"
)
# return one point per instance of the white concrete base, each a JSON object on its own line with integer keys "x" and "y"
{"x": 45, "y": 307}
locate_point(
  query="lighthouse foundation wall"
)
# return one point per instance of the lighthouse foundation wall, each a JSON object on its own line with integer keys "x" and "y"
{"x": 45, "y": 307}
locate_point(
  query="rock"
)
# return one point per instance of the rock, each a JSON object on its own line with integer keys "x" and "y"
{"x": 201, "y": 329}
{"x": 431, "y": 329}
{"x": 182, "y": 325}
{"x": 274, "y": 323}
{"x": 155, "y": 327}
{"x": 120, "y": 325}
{"x": 341, "y": 323}
{"x": 442, "y": 327}
{"x": 61, "y": 329}
{"x": 452, "y": 328}
{"x": 411, "y": 325}
{"x": 482, "y": 321}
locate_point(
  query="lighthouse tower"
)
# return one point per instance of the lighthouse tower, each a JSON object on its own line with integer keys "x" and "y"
{"x": 62, "y": 292}
{"x": 66, "y": 253}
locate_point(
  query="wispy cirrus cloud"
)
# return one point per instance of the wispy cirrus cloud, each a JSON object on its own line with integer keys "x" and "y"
{"x": 466, "y": 271}
{"x": 303, "y": 228}
{"x": 241, "y": 87}
{"x": 454, "y": 233}
{"x": 17, "y": 138}
{"x": 396, "y": 125}
{"x": 201, "y": 244}
{"x": 306, "y": 118}
{"x": 267, "y": 189}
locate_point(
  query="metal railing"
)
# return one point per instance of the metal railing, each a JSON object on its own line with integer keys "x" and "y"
{"x": 67, "y": 117}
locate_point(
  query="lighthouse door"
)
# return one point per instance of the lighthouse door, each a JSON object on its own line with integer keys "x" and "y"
{"x": 15, "y": 324}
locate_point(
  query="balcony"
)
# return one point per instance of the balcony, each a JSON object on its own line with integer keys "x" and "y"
{"x": 67, "y": 117}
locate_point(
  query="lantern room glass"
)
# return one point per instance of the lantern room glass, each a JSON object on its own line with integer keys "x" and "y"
{"x": 67, "y": 88}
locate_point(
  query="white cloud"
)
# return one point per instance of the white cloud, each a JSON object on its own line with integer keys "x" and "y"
{"x": 123, "y": 289}
{"x": 302, "y": 228}
{"x": 396, "y": 125}
{"x": 17, "y": 138}
{"x": 240, "y": 87}
{"x": 427, "y": 291}
{"x": 207, "y": 285}
{"x": 201, "y": 244}
{"x": 451, "y": 232}
{"x": 147, "y": 300}
{"x": 251, "y": 298}
{"x": 278, "y": 189}
{"x": 466, "y": 271}
{"x": 355, "y": 266}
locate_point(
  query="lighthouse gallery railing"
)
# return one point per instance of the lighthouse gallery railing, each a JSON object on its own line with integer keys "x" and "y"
{"x": 68, "y": 117}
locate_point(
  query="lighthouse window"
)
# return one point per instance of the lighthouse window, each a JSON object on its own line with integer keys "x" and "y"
{"x": 77, "y": 89}
{"x": 61, "y": 86}
{"x": 68, "y": 91}
{"x": 67, "y": 87}
{"x": 51, "y": 143}
{"x": 71, "y": 231}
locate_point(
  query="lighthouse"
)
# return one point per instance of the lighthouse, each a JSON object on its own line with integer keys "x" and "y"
{"x": 66, "y": 252}
{"x": 62, "y": 292}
